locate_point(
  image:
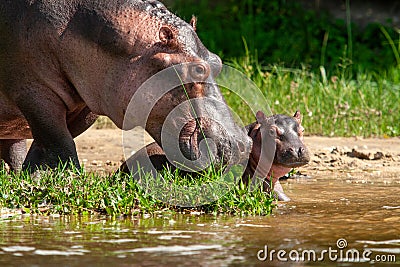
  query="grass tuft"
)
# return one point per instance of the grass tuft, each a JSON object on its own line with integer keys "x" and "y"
{"x": 332, "y": 105}
{"x": 72, "y": 191}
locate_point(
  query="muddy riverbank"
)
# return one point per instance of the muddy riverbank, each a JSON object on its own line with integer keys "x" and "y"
{"x": 102, "y": 150}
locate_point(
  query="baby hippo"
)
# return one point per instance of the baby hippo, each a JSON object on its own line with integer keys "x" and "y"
{"x": 280, "y": 131}
{"x": 286, "y": 134}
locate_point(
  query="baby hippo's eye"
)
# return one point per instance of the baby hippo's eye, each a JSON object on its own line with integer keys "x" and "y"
{"x": 272, "y": 132}
{"x": 280, "y": 133}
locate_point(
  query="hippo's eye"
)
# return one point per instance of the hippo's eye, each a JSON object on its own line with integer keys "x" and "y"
{"x": 272, "y": 132}
{"x": 200, "y": 71}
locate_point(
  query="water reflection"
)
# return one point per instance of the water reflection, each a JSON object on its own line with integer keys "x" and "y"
{"x": 365, "y": 214}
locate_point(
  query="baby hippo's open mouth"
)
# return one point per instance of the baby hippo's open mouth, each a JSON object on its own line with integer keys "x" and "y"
{"x": 294, "y": 164}
{"x": 292, "y": 157}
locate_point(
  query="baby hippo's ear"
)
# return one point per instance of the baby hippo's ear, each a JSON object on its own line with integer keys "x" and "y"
{"x": 297, "y": 116}
{"x": 260, "y": 116}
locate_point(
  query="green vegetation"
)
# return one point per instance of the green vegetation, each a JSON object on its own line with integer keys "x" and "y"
{"x": 280, "y": 31}
{"x": 72, "y": 191}
{"x": 367, "y": 105}
{"x": 345, "y": 80}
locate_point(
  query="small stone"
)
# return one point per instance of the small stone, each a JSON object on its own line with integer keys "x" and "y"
{"x": 378, "y": 155}
{"x": 335, "y": 150}
{"x": 359, "y": 154}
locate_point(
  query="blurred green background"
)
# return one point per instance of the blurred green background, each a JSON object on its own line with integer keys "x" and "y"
{"x": 336, "y": 61}
{"x": 279, "y": 31}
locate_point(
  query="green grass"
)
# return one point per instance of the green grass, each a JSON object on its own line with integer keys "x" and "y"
{"x": 279, "y": 31}
{"x": 342, "y": 104}
{"x": 72, "y": 191}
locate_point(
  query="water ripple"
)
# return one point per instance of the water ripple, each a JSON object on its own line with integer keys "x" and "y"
{"x": 171, "y": 249}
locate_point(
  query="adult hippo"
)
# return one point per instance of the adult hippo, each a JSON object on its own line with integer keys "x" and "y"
{"x": 62, "y": 63}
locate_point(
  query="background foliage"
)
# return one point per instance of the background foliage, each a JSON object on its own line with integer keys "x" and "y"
{"x": 279, "y": 31}
{"x": 344, "y": 79}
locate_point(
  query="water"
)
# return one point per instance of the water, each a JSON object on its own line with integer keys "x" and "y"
{"x": 364, "y": 214}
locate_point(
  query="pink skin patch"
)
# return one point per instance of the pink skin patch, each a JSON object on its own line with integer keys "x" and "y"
{"x": 277, "y": 171}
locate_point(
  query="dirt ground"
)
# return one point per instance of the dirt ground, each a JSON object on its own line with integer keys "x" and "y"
{"x": 102, "y": 150}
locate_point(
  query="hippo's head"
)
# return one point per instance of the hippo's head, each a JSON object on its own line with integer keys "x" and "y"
{"x": 277, "y": 148}
{"x": 205, "y": 117}
{"x": 113, "y": 48}
{"x": 285, "y": 134}
{"x": 290, "y": 150}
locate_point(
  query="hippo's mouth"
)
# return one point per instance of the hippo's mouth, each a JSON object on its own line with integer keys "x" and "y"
{"x": 195, "y": 142}
{"x": 189, "y": 140}
{"x": 289, "y": 159}
{"x": 294, "y": 164}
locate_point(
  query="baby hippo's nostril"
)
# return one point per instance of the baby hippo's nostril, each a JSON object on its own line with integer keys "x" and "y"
{"x": 292, "y": 150}
{"x": 301, "y": 152}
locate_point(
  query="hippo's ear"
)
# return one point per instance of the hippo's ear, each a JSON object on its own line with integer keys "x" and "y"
{"x": 193, "y": 22}
{"x": 166, "y": 35}
{"x": 297, "y": 116}
{"x": 260, "y": 116}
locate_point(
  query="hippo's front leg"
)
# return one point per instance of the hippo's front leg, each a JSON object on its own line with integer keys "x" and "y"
{"x": 53, "y": 143}
{"x": 277, "y": 190}
{"x": 81, "y": 121}
{"x": 13, "y": 152}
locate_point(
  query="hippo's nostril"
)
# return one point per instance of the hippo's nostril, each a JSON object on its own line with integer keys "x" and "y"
{"x": 291, "y": 152}
{"x": 301, "y": 152}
